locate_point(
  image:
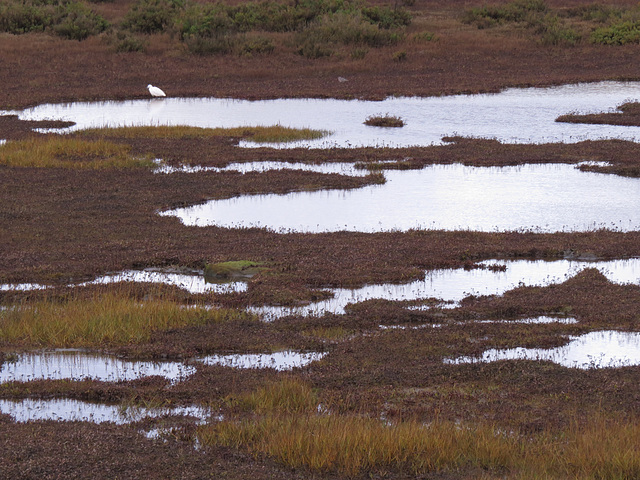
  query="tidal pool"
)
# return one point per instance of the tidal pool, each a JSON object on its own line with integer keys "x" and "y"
{"x": 604, "y": 349}
{"x": 286, "y": 360}
{"x": 452, "y": 285}
{"x": 515, "y": 115}
{"x": 78, "y": 365}
{"x": 541, "y": 198}
{"x": 67, "y": 410}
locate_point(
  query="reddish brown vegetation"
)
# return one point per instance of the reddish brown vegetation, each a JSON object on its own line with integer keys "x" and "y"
{"x": 59, "y": 226}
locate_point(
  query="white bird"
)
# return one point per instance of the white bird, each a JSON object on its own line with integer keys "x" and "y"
{"x": 155, "y": 91}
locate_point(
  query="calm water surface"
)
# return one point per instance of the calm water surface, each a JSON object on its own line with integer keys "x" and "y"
{"x": 514, "y": 115}
{"x": 605, "y": 349}
{"x": 79, "y": 365}
{"x": 542, "y": 198}
{"x": 452, "y": 285}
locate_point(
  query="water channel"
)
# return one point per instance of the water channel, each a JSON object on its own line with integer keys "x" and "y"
{"x": 515, "y": 115}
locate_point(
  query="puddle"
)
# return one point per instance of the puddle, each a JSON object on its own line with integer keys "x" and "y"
{"x": 67, "y": 410}
{"x": 79, "y": 365}
{"x": 192, "y": 283}
{"x": 541, "y": 320}
{"x": 340, "y": 168}
{"x": 605, "y": 349}
{"x": 515, "y": 115}
{"x": 279, "y": 361}
{"x": 455, "y": 284}
{"x": 540, "y": 198}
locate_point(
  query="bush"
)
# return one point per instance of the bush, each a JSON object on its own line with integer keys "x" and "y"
{"x": 77, "y": 22}
{"x": 152, "y": 16}
{"x": 517, "y": 11}
{"x": 125, "y": 42}
{"x": 18, "y": 18}
{"x": 617, "y": 34}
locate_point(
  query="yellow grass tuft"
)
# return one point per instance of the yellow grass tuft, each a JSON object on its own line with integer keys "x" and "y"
{"x": 299, "y": 436}
{"x": 69, "y": 152}
{"x": 273, "y": 134}
{"x": 109, "y": 318}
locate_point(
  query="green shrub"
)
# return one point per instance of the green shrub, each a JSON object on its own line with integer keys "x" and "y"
{"x": 152, "y": 16}
{"x": 555, "y": 32}
{"x": 125, "y": 42}
{"x": 517, "y": 11}
{"x": 77, "y": 22}
{"x": 595, "y": 12}
{"x": 617, "y": 34}
{"x": 18, "y": 18}
{"x": 386, "y": 17}
{"x": 256, "y": 46}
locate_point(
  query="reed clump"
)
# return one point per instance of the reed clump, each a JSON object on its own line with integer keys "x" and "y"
{"x": 259, "y": 134}
{"x": 384, "y": 121}
{"x": 108, "y": 318}
{"x": 69, "y": 152}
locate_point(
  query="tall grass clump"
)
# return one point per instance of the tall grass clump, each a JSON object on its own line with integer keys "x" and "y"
{"x": 272, "y": 134}
{"x": 286, "y": 396}
{"x": 69, "y": 152}
{"x": 352, "y": 445}
{"x": 109, "y": 318}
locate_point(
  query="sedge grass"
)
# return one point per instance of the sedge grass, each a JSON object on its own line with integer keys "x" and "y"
{"x": 259, "y": 134}
{"x": 69, "y": 152}
{"x": 109, "y": 318}
{"x": 288, "y": 427}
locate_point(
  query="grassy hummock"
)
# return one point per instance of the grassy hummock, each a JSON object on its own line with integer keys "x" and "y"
{"x": 260, "y": 134}
{"x": 69, "y": 152}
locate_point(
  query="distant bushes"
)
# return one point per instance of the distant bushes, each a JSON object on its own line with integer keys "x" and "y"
{"x": 318, "y": 26}
{"x": 314, "y": 28}
{"x": 72, "y": 20}
{"x": 600, "y": 24}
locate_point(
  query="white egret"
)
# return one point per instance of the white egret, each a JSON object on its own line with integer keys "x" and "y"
{"x": 155, "y": 91}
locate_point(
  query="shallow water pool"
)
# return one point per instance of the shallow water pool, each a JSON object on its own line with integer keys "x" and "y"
{"x": 541, "y": 198}
{"x": 516, "y": 115}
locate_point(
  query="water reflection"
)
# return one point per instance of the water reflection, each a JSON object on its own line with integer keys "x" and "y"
{"x": 194, "y": 283}
{"x": 455, "y": 284}
{"x": 247, "y": 167}
{"x": 541, "y": 198}
{"x": 286, "y": 360}
{"x": 605, "y": 349}
{"x": 67, "y": 410}
{"x": 525, "y": 115}
{"x": 78, "y": 365}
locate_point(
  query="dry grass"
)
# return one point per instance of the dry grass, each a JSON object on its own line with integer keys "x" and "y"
{"x": 68, "y": 152}
{"x": 353, "y": 446}
{"x": 273, "y": 134}
{"x": 102, "y": 319}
